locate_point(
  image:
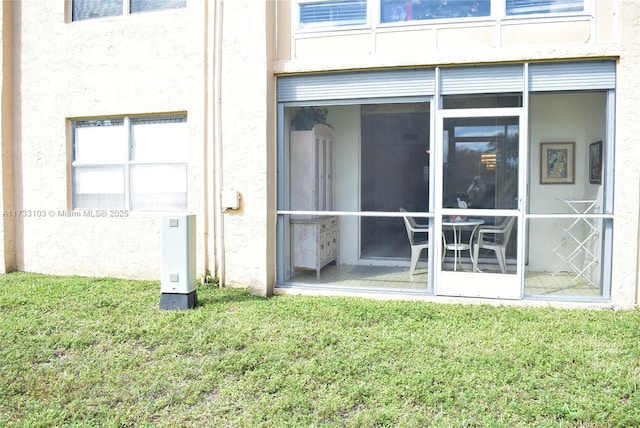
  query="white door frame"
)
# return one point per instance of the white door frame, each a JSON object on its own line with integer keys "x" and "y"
{"x": 470, "y": 284}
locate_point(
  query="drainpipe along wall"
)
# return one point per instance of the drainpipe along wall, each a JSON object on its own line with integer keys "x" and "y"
{"x": 218, "y": 220}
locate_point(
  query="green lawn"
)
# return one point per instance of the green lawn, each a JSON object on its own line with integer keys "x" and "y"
{"x": 86, "y": 352}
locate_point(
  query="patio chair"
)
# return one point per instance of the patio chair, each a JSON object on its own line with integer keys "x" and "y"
{"x": 417, "y": 245}
{"x": 496, "y": 241}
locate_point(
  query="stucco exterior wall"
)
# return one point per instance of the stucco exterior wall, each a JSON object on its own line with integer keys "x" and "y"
{"x": 248, "y": 143}
{"x": 593, "y": 33}
{"x": 145, "y": 63}
{"x": 627, "y": 173}
{"x": 153, "y": 62}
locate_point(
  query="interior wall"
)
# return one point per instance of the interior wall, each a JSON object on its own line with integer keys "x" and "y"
{"x": 345, "y": 122}
{"x": 571, "y": 117}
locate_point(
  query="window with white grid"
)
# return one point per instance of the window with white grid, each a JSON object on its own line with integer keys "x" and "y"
{"x": 132, "y": 163}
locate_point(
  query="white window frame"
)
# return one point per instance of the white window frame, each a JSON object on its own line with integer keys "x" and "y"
{"x": 121, "y": 155}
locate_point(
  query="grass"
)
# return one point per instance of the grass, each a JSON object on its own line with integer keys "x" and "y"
{"x": 87, "y": 352}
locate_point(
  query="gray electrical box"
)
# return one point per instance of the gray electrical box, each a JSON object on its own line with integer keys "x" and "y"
{"x": 178, "y": 277}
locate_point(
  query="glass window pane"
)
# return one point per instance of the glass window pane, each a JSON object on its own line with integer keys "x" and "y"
{"x": 87, "y": 9}
{"x": 333, "y": 13}
{"x": 98, "y": 187}
{"x": 411, "y": 10}
{"x": 146, "y": 5}
{"x": 100, "y": 141}
{"x": 155, "y": 140}
{"x": 481, "y": 162}
{"x": 525, "y": 7}
{"x": 159, "y": 187}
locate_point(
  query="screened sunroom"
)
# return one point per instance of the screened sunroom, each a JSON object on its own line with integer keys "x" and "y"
{"x": 480, "y": 181}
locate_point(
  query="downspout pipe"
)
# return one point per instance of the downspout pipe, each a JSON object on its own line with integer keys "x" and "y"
{"x": 218, "y": 217}
{"x": 207, "y": 154}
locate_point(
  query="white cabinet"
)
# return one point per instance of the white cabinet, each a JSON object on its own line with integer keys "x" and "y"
{"x": 314, "y": 242}
{"x": 314, "y": 239}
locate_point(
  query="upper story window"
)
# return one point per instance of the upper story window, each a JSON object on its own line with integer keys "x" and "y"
{"x": 410, "y": 10}
{"x": 130, "y": 163}
{"x": 333, "y": 13}
{"x": 338, "y": 13}
{"x": 526, "y": 7}
{"x": 87, "y": 9}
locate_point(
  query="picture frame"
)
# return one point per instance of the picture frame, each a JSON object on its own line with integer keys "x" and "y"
{"x": 557, "y": 163}
{"x": 595, "y": 162}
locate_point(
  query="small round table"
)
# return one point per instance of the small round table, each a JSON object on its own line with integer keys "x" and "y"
{"x": 457, "y": 245}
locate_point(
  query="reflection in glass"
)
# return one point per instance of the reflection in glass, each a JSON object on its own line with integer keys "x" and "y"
{"x": 410, "y": 10}
{"x": 527, "y": 7}
{"x": 87, "y": 9}
{"x": 481, "y": 162}
{"x": 146, "y": 5}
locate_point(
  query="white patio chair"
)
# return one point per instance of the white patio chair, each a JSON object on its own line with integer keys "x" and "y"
{"x": 496, "y": 241}
{"x": 417, "y": 245}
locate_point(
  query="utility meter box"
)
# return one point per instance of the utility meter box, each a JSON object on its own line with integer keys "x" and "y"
{"x": 178, "y": 274}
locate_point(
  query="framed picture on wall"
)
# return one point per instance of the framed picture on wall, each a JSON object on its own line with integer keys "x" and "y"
{"x": 595, "y": 163}
{"x": 557, "y": 163}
